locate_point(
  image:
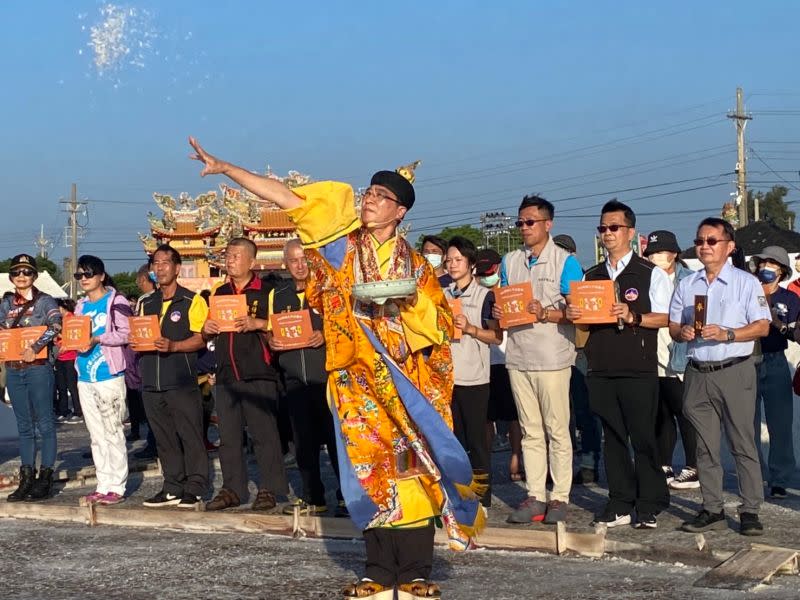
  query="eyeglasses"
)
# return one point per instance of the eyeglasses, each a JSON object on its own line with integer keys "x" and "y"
{"x": 710, "y": 241}
{"x": 83, "y": 275}
{"x": 24, "y": 272}
{"x": 612, "y": 228}
{"x": 528, "y": 222}
{"x": 379, "y": 195}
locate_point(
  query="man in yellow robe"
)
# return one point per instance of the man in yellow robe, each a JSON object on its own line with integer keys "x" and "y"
{"x": 390, "y": 375}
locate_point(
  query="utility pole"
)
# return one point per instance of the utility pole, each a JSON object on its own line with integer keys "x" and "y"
{"x": 42, "y": 243}
{"x": 72, "y": 209}
{"x": 741, "y": 171}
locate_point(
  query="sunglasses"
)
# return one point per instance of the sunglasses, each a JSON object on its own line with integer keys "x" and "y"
{"x": 612, "y": 228}
{"x": 710, "y": 241}
{"x": 528, "y": 222}
{"x": 83, "y": 275}
{"x": 25, "y": 272}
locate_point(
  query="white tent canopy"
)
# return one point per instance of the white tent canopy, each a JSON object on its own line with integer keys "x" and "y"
{"x": 44, "y": 282}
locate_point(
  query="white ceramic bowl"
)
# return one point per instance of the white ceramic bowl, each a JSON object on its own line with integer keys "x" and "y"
{"x": 381, "y": 291}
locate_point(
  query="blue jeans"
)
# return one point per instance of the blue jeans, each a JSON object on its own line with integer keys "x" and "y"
{"x": 775, "y": 391}
{"x": 31, "y": 393}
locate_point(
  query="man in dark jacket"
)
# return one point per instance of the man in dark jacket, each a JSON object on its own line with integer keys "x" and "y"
{"x": 169, "y": 384}
{"x": 247, "y": 388}
{"x": 305, "y": 379}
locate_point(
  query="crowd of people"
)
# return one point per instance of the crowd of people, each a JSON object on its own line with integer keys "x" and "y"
{"x": 405, "y": 392}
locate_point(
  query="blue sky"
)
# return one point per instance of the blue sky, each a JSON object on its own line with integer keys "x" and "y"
{"x": 576, "y": 101}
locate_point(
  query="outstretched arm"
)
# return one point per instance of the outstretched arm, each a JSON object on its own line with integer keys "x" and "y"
{"x": 263, "y": 187}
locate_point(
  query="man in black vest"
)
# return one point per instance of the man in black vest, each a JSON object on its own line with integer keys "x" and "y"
{"x": 305, "y": 383}
{"x": 247, "y": 388}
{"x": 169, "y": 384}
{"x": 623, "y": 375}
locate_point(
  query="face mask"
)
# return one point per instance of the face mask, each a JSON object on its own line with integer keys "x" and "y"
{"x": 767, "y": 275}
{"x": 152, "y": 276}
{"x": 490, "y": 280}
{"x": 434, "y": 259}
{"x": 661, "y": 260}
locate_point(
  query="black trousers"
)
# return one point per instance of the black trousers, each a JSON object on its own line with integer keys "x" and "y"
{"x": 175, "y": 418}
{"x": 396, "y": 556}
{"x": 470, "y": 405}
{"x": 135, "y": 409}
{"x": 67, "y": 382}
{"x": 312, "y": 425}
{"x": 582, "y": 418}
{"x": 627, "y": 407}
{"x": 252, "y": 404}
{"x": 670, "y": 408}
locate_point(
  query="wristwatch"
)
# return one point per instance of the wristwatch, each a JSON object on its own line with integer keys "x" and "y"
{"x": 636, "y": 319}
{"x": 731, "y": 335}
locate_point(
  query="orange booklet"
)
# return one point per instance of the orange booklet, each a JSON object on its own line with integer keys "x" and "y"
{"x": 226, "y": 309}
{"x": 513, "y": 302}
{"x": 292, "y": 329}
{"x": 455, "y": 306}
{"x": 9, "y": 342}
{"x": 144, "y": 333}
{"x": 595, "y": 299}
{"x": 76, "y": 332}
{"x": 14, "y": 341}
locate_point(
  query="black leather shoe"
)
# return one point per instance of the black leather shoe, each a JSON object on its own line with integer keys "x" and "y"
{"x": 706, "y": 521}
{"x": 749, "y": 524}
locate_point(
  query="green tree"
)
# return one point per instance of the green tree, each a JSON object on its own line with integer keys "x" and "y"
{"x": 125, "y": 283}
{"x": 771, "y": 207}
{"x": 43, "y": 264}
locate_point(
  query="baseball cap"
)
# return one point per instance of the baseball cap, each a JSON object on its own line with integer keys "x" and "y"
{"x": 486, "y": 261}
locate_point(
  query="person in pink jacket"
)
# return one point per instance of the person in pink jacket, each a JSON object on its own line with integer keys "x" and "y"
{"x": 101, "y": 377}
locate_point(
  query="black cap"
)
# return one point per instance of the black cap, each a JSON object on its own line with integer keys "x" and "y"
{"x": 486, "y": 262}
{"x": 566, "y": 242}
{"x": 398, "y": 184}
{"x": 661, "y": 240}
{"x": 23, "y": 260}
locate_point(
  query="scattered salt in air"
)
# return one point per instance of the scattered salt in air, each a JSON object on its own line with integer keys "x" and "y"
{"x": 122, "y": 36}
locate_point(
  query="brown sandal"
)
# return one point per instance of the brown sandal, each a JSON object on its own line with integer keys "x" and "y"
{"x": 224, "y": 499}
{"x": 368, "y": 590}
{"x": 419, "y": 589}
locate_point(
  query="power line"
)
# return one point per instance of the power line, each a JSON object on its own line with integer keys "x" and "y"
{"x": 605, "y": 193}
{"x": 778, "y": 175}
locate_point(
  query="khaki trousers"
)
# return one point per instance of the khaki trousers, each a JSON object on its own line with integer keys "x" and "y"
{"x": 542, "y": 399}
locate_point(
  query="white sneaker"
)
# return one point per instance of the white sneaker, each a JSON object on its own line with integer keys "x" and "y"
{"x": 687, "y": 479}
{"x": 669, "y": 474}
{"x": 611, "y": 519}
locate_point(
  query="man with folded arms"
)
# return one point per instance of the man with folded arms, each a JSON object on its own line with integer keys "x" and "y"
{"x": 720, "y": 381}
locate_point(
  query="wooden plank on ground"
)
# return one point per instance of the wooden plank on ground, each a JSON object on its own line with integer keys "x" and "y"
{"x": 586, "y": 544}
{"x": 747, "y": 569}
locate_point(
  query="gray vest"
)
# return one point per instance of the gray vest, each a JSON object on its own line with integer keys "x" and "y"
{"x": 540, "y": 346}
{"x": 471, "y": 365}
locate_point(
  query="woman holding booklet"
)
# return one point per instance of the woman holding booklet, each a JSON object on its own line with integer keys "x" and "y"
{"x": 101, "y": 364}
{"x": 30, "y": 375}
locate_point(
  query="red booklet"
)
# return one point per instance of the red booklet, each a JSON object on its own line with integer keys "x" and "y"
{"x": 226, "y": 309}
{"x": 595, "y": 299}
{"x": 455, "y": 307}
{"x": 292, "y": 329}
{"x": 76, "y": 332}
{"x": 144, "y": 333}
{"x": 513, "y": 301}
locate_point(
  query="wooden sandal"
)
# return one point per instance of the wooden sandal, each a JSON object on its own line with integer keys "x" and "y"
{"x": 419, "y": 589}
{"x": 367, "y": 589}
